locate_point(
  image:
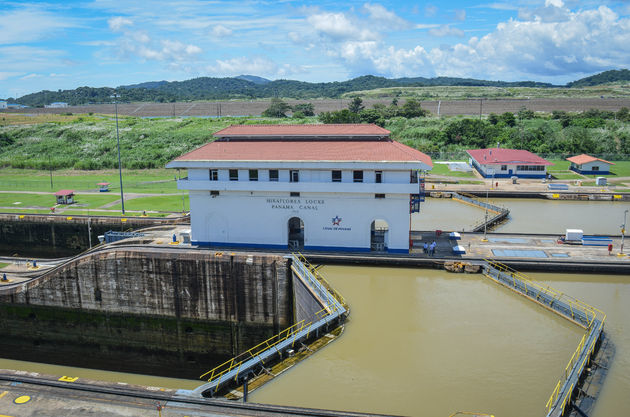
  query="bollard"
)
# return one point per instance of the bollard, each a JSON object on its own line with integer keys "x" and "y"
{"x": 174, "y": 238}
{"x": 34, "y": 263}
{"x": 4, "y": 277}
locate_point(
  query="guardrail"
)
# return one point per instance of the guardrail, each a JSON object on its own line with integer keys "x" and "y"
{"x": 578, "y": 312}
{"x": 500, "y": 212}
{"x": 239, "y": 367}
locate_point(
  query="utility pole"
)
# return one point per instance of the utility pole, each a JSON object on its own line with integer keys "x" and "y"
{"x": 50, "y": 170}
{"x": 623, "y": 232}
{"x": 122, "y": 198}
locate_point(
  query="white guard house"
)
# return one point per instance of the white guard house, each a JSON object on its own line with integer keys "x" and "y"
{"x": 506, "y": 163}
{"x": 314, "y": 187}
{"x": 586, "y": 164}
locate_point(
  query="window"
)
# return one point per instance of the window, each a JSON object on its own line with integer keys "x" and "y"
{"x": 336, "y": 176}
{"x": 253, "y": 175}
{"x": 413, "y": 178}
{"x": 530, "y": 167}
{"x": 595, "y": 168}
{"x": 379, "y": 195}
{"x": 503, "y": 167}
{"x": 273, "y": 175}
{"x": 378, "y": 177}
{"x": 358, "y": 176}
{"x": 294, "y": 175}
{"x": 214, "y": 193}
{"x": 294, "y": 194}
{"x": 234, "y": 175}
{"x": 214, "y": 175}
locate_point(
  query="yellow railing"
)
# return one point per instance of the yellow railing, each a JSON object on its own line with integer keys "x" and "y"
{"x": 286, "y": 334}
{"x": 589, "y": 311}
{"x": 315, "y": 271}
{"x": 237, "y": 361}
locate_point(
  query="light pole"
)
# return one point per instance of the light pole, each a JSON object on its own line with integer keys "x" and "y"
{"x": 122, "y": 198}
{"x": 485, "y": 223}
{"x": 623, "y": 231}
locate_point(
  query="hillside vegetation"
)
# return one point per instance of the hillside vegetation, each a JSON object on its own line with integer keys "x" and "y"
{"x": 250, "y": 87}
{"x": 90, "y": 142}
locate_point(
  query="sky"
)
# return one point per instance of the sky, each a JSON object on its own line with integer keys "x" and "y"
{"x": 52, "y": 45}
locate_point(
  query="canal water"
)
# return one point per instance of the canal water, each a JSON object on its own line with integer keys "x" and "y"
{"x": 526, "y": 216}
{"x": 426, "y": 342}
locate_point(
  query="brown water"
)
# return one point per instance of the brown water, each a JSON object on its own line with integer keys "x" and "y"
{"x": 425, "y": 342}
{"x": 526, "y": 216}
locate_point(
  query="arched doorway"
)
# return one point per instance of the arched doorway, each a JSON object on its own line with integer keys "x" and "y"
{"x": 378, "y": 235}
{"x": 296, "y": 233}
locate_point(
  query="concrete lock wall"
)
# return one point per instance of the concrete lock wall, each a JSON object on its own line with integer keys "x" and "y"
{"x": 55, "y": 236}
{"x": 175, "y": 313}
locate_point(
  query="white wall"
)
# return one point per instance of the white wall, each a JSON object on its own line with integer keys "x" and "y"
{"x": 248, "y": 218}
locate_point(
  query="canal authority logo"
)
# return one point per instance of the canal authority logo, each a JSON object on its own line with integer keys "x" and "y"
{"x": 336, "y": 221}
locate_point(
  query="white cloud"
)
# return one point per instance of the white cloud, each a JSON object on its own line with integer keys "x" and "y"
{"x": 427, "y": 26}
{"x": 337, "y": 26}
{"x": 430, "y": 10}
{"x": 29, "y": 76}
{"x": 118, "y": 23}
{"x": 5, "y": 74}
{"x": 29, "y": 24}
{"x": 446, "y": 30}
{"x": 221, "y": 31}
{"x": 384, "y": 18}
{"x": 261, "y": 66}
{"x": 460, "y": 15}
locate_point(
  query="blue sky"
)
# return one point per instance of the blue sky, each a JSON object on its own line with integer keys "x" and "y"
{"x": 63, "y": 45}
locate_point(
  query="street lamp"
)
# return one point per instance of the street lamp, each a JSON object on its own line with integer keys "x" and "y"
{"x": 623, "y": 231}
{"x": 122, "y": 198}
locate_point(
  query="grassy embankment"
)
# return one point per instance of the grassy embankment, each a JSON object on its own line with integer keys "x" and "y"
{"x": 619, "y": 90}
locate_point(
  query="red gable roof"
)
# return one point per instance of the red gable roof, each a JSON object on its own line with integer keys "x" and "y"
{"x": 506, "y": 156}
{"x": 64, "y": 192}
{"x": 312, "y": 150}
{"x": 331, "y": 130}
{"x": 584, "y": 159}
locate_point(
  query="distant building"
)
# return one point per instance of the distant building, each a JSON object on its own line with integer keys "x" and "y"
{"x": 65, "y": 196}
{"x": 313, "y": 187}
{"x": 56, "y": 105}
{"x": 506, "y": 163}
{"x": 3, "y": 105}
{"x": 586, "y": 164}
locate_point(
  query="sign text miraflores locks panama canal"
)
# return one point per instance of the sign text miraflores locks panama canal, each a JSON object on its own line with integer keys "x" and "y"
{"x": 294, "y": 203}
{"x": 305, "y": 204}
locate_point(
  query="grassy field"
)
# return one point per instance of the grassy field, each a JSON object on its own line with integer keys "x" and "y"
{"x": 443, "y": 169}
{"x": 160, "y": 203}
{"x": 2, "y": 265}
{"x": 19, "y": 200}
{"x": 8, "y": 119}
{"x": 462, "y": 92}
{"x": 156, "y": 181}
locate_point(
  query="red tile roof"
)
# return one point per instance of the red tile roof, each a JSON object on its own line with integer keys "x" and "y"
{"x": 312, "y": 150}
{"x": 584, "y": 159}
{"x": 506, "y": 156}
{"x": 64, "y": 192}
{"x": 331, "y": 130}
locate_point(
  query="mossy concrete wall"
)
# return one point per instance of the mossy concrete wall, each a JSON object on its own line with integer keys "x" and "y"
{"x": 168, "y": 312}
{"x": 56, "y": 236}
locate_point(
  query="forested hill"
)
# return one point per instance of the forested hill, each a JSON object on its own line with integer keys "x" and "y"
{"x": 250, "y": 87}
{"x": 602, "y": 78}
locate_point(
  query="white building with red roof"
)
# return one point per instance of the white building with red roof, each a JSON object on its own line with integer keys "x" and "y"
{"x": 313, "y": 187}
{"x": 586, "y": 164}
{"x": 506, "y": 163}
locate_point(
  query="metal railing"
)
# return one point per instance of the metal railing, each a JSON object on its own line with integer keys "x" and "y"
{"x": 500, "y": 212}
{"x": 580, "y": 313}
{"x": 334, "y": 307}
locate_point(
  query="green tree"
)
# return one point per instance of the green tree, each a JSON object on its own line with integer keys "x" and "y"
{"x": 341, "y": 116}
{"x": 277, "y": 108}
{"x": 356, "y": 105}
{"x": 508, "y": 119}
{"x": 413, "y": 108}
{"x": 307, "y": 109}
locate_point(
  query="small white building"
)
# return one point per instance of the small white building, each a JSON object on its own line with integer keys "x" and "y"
{"x": 56, "y": 105}
{"x": 313, "y": 187}
{"x": 586, "y": 164}
{"x": 3, "y": 105}
{"x": 506, "y": 163}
